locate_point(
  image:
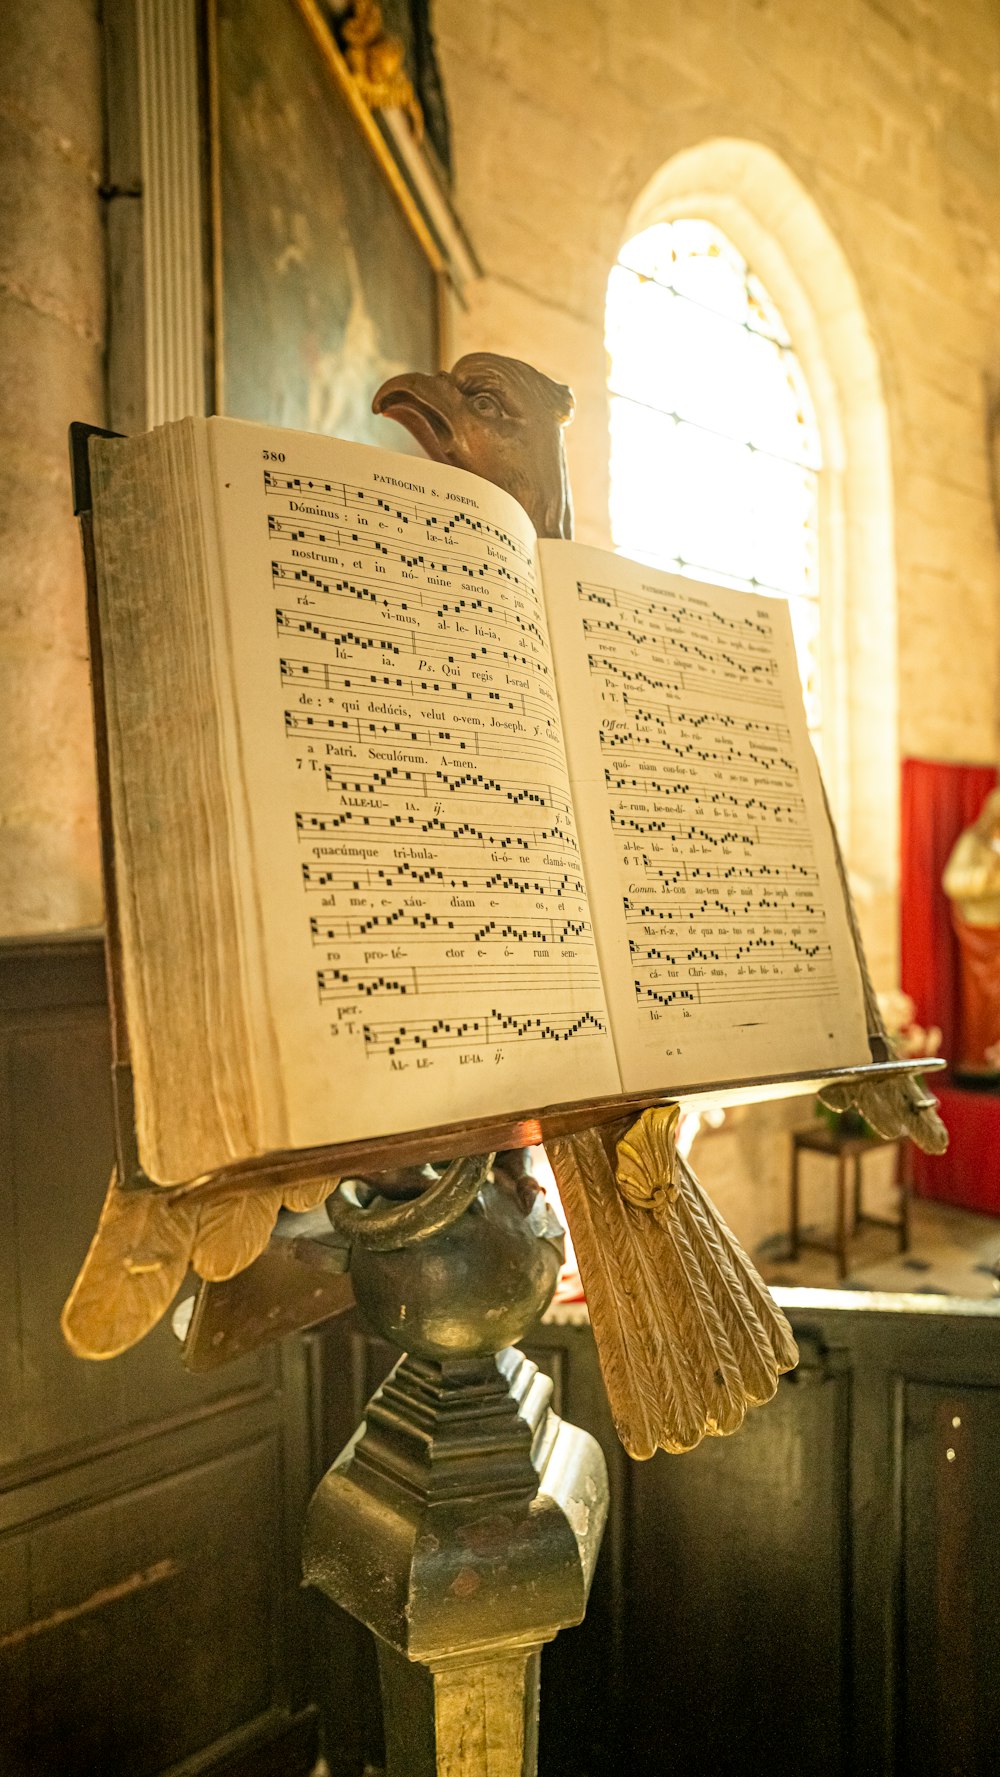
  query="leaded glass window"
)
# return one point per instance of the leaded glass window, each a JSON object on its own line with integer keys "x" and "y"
{"x": 715, "y": 449}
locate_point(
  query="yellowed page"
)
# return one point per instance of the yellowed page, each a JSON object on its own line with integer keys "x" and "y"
{"x": 421, "y": 921}
{"x": 723, "y": 936}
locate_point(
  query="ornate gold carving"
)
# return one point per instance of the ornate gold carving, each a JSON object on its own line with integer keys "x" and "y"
{"x": 376, "y": 61}
{"x": 647, "y": 1160}
{"x": 901, "y": 1106}
{"x": 135, "y": 1266}
{"x": 687, "y": 1335}
{"x": 893, "y": 1107}
{"x": 232, "y": 1231}
{"x": 145, "y": 1242}
{"x": 308, "y": 1195}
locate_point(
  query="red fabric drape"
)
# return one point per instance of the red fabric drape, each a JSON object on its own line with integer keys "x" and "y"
{"x": 938, "y": 801}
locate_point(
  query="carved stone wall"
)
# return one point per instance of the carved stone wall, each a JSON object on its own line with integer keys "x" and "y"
{"x": 51, "y": 372}
{"x": 886, "y": 114}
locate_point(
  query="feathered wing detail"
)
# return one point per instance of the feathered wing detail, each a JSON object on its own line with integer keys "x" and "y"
{"x": 133, "y": 1270}
{"x": 894, "y": 1107}
{"x": 146, "y": 1240}
{"x": 687, "y": 1335}
{"x": 638, "y": 1373}
{"x": 309, "y": 1195}
{"x": 233, "y": 1229}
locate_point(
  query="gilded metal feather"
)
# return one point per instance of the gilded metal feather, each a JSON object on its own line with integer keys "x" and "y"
{"x": 687, "y": 1334}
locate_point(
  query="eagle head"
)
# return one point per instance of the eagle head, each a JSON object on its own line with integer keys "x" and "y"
{"x": 499, "y": 418}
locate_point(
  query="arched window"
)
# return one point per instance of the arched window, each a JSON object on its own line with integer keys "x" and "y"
{"x": 715, "y": 447}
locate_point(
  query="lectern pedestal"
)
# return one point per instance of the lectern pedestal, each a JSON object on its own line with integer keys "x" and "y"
{"x": 462, "y": 1522}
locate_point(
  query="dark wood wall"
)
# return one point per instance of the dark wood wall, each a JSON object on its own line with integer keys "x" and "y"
{"x": 816, "y": 1595}
{"x": 149, "y": 1610}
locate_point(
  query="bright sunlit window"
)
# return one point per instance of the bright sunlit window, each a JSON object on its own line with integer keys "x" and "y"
{"x": 715, "y": 450}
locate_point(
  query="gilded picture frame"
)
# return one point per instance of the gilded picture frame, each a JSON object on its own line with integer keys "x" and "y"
{"x": 327, "y": 271}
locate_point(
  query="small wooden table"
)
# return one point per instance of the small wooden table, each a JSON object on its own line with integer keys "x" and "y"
{"x": 844, "y": 1149}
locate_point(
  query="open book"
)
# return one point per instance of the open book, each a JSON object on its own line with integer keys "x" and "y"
{"x": 419, "y": 820}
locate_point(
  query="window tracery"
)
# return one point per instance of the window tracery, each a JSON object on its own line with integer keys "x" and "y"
{"x": 716, "y": 452}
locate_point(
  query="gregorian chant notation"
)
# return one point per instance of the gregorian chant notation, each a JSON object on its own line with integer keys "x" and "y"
{"x": 718, "y": 993}
{"x": 479, "y": 742}
{"x": 340, "y": 984}
{"x": 411, "y": 873}
{"x": 406, "y": 605}
{"x": 464, "y": 786}
{"x": 754, "y": 808}
{"x": 399, "y": 695}
{"x": 760, "y": 948}
{"x": 404, "y": 516}
{"x": 492, "y": 1027}
{"x": 762, "y": 760}
{"x": 402, "y": 825}
{"x": 732, "y": 906}
{"x": 704, "y": 799}
{"x": 709, "y": 830}
{"x": 403, "y": 921}
{"x": 396, "y": 559}
{"x": 431, "y": 646}
{"x": 439, "y": 858}
{"x": 406, "y": 872}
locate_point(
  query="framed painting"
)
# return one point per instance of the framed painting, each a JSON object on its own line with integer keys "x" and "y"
{"x": 326, "y": 277}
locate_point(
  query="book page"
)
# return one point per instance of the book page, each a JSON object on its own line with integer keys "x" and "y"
{"x": 722, "y": 930}
{"x": 424, "y": 934}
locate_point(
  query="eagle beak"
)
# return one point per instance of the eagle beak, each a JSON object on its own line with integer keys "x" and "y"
{"x": 419, "y": 403}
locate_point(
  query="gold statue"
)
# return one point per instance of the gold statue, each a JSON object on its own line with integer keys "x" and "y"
{"x": 971, "y": 881}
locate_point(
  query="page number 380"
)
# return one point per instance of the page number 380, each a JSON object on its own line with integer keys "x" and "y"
{"x": 273, "y": 456}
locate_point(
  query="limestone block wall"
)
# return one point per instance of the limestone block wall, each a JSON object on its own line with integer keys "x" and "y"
{"x": 51, "y": 371}
{"x": 887, "y": 114}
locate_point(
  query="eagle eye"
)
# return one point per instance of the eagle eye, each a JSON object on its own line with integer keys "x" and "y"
{"x": 486, "y": 404}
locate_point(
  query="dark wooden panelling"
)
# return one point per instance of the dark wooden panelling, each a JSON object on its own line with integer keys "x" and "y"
{"x": 736, "y": 1575}
{"x": 815, "y": 1595}
{"x": 951, "y": 1581}
{"x": 150, "y": 1614}
{"x": 111, "y": 1655}
{"x": 56, "y": 1149}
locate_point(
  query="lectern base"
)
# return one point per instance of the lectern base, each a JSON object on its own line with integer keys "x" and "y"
{"x": 462, "y": 1524}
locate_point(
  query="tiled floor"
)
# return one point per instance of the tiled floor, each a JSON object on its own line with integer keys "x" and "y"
{"x": 953, "y": 1252}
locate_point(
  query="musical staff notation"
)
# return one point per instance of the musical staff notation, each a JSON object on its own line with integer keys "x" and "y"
{"x": 397, "y": 560}
{"x": 716, "y": 993}
{"x": 437, "y": 836}
{"x": 543, "y": 884}
{"x": 407, "y": 692}
{"x": 419, "y": 516}
{"x": 488, "y": 1028}
{"x": 477, "y": 742}
{"x": 407, "y": 606}
{"x": 402, "y": 921}
{"x": 404, "y": 640}
{"x": 699, "y": 765}
{"x": 344, "y": 985}
{"x": 316, "y": 824}
{"x": 463, "y": 786}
